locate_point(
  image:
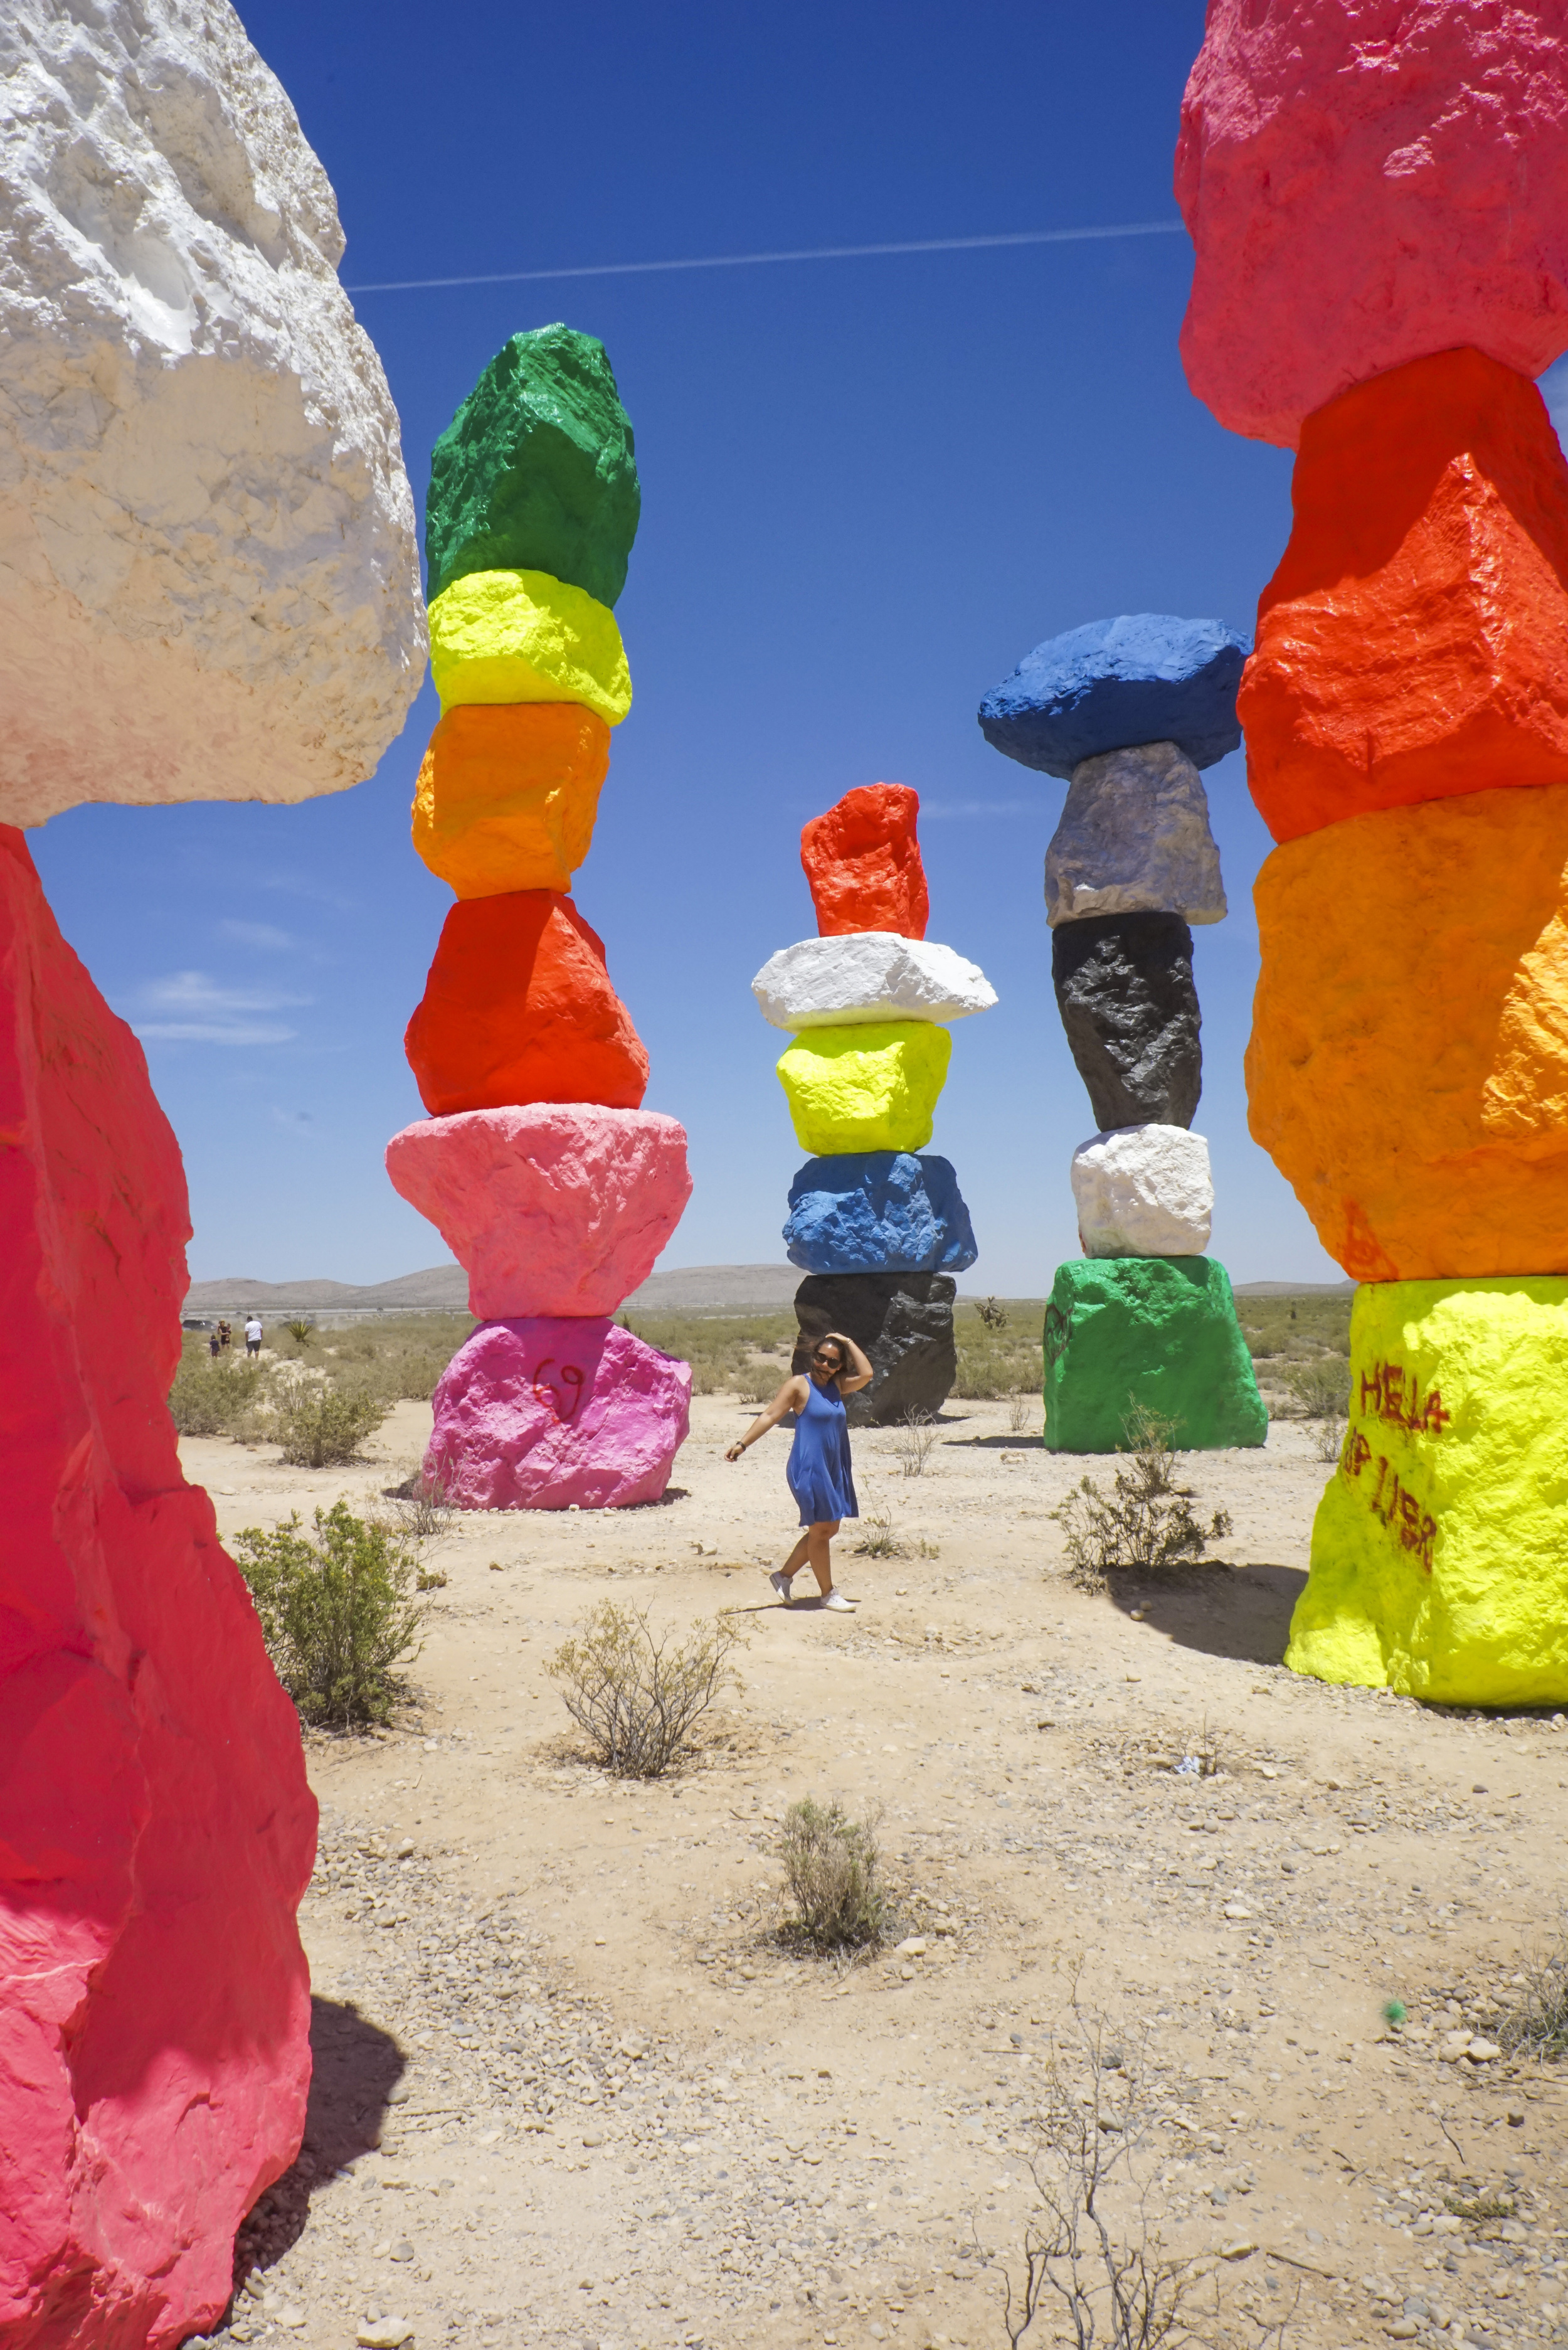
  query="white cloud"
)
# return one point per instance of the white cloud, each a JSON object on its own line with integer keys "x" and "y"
{"x": 188, "y": 1007}
{"x": 258, "y": 934}
{"x": 938, "y": 809}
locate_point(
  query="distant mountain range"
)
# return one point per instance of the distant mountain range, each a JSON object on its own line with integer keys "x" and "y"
{"x": 443, "y": 1289}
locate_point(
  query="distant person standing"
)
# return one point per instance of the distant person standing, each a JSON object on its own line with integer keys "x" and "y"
{"x": 252, "y": 1335}
{"x": 213, "y": 1346}
{"x": 225, "y": 1336}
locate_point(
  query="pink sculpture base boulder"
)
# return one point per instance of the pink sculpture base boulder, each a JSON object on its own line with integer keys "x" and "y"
{"x": 1367, "y": 181}
{"x": 553, "y": 1208}
{"x": 543, "y": 1411}
{"x": 156, "y": 1830}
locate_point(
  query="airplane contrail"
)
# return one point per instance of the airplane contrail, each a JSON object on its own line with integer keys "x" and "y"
{"x": 803, "y": 253}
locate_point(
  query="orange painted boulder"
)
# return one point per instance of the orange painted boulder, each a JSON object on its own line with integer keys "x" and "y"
{"x": 1408, "y": 1064}
{"x": 1413, "y": 643}
{"x": 156, "y": 1828}
{"x": 518, "y": 1007}
{"x": 507, "y": 795}
{"x": 862, "y": 864}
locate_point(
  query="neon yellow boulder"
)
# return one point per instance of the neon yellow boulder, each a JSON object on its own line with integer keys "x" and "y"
{"x": 1439, "y": 1551}
{"x": 874, "y": 1088}
{"x": 521, "y": 636}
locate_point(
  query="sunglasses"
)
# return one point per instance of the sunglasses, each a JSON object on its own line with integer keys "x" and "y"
{"x": 826, "y": 1355}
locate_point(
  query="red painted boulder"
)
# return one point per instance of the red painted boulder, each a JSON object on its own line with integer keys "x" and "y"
{"x": 541, "y": 1412}
{"x": 862, "y": 864}
{"x": 518, "y": 1007}
{"x": 156, "y": 1830}
{"x": 552, "y": 1208}
{"x": 1413, "y": 644}
{"x": 1366, "y": 181}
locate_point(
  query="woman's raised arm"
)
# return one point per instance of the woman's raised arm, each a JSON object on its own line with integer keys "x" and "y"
{"x": 859, "y": 1373}
{"x": 790, "y": 1398}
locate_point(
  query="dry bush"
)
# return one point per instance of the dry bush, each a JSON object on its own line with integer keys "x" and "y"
{"x": 878, "y": 1539}
{"x": 639, "y": 1695}
{"x": 1538, "y": 2026}
{"x": 1021, "y": 1411}
{"x": 832, "y": 1872}
{"x": 423, "y": 1507}
{"x": 335, "y": 1612}
{"x": 998, "y": 1351}
{"x": 211, "y": 1398}
{"x": 1147, "y": 1523}
{"x": 301, "y": 1331}
{"x": 320, "y": 1425}
{"x": 1093, "y": 2267}
{"x": 719, "y": 1348}
{"x": 912, "y": 1445}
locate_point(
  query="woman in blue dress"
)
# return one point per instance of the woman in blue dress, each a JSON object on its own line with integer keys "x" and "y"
{"x": 820, "y": 1472}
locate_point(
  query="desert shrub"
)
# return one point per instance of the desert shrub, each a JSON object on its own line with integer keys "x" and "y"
{"x": 208, "y": 1399}
{"x": 999, "y": 1347}
{"x": 878, "y": 1538}
{"x": 637, "y": 1694}
{"x": 1321, "y": 1387}
{"x": 912, "y": 1445}
{"x": 398, "y": 1355}
{"x": 832, "y": 1872}
{"x": 335, "y": 1612}
{"x": 423, "y": 1507}
{"x": 301, "y": 1331}
{"x": 721, "y": 1349}
{"x": 1021, "y": 1411}
{"x": 321, "y": 1425}
{"x": 1147, "y": 1521}
{"x": 1538, "y": 2025}
{"x": 1297, "y": 1328}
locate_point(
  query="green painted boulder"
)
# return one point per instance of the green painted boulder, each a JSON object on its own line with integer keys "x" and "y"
{"x": 537, "y": 470}
{"x": 1159, "y": 1332}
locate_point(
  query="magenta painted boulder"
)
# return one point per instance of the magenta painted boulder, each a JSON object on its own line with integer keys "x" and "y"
{"x": 156, "y": 1829}
{"x": 554, "y": 1208}
{"x": 1367, "y": 181}
{"x": 545, "y": 1411}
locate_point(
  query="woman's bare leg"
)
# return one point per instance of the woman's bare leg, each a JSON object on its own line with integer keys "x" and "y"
{"x": 797, "y": 1556}
{"x": 817, "y": 1539}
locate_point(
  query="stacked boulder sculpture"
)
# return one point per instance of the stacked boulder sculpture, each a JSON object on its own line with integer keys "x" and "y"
{"x": 878, "y": 1228}
{"x": 1381, "y": 229}
{"x": 1128, "y": 711}
{"x": 209, "y": 589}
{"x": 548, "y": 1180}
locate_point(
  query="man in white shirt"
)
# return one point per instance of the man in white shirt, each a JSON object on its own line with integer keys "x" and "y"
{"x": 252, "y": 1335}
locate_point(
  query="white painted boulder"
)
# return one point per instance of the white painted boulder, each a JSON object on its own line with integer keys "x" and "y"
{"x": 209, "y": 579}
{"x": 1133, "y": 838}
{"x": 1144, "y": 1190}
{"x": 867, "y": 975}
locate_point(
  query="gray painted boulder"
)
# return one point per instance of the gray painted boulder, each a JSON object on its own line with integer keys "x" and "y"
{"x": 1133, "y": 838}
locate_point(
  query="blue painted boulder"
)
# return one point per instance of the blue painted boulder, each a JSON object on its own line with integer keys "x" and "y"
{"x": 879, "y": 1211}
{"x": 1144, "y": 677}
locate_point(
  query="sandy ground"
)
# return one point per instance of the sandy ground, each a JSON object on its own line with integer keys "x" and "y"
{"x": 570, "y": 2090}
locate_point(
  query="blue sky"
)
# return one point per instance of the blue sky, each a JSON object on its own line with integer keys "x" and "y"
{"x": 868, "y": 487}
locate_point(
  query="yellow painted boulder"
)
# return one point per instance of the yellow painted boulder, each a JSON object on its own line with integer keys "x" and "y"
{"x": 507, "y": 796}
{"x": 1408, "y": 1064}
{"x": 521, "y": 636}
{"x": 866, "y": 1088}
{"x": 1439, "y": 1551}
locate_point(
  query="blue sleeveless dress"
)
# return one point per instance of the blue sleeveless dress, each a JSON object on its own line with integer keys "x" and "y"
{"x": 818, "y": 1471}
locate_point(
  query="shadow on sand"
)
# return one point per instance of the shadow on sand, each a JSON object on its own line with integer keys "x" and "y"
{"x": 1242, "y": 1612}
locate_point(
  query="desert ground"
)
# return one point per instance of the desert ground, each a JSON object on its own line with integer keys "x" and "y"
{"x": 571, "y": 2090}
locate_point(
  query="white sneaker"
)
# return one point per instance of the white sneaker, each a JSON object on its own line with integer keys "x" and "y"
{"x": 783, "y": 1584}
{"x": 836, "y": 1600}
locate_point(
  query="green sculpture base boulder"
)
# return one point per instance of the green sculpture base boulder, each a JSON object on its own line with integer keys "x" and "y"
{"x": 1155, "y": 1333}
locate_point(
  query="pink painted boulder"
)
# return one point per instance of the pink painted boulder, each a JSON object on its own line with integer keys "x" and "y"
{"x": 156, "y": 1830}
{"x": 554, "y": 1208}
{"x": 543, "y": 1410}
{"x": 1367, "y": 181}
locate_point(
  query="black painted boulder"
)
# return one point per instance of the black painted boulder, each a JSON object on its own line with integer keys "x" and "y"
{"x": 905, "y": 1323}
{"x": 1123, "y": 988}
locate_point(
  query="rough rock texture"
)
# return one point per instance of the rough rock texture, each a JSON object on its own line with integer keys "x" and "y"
{"x": 1144, "y": 677}
{"x": 1123, "y": 988}
{"x": 905, "y": 1323}
{"x": 1366, "y": 181}
{"x": 156, "y": 1829}
{"x": 1158, "y": 1332}
{"x": 1422, "y": 1122}
{"x": 507, "y": 796}
{"x": 1439, "y": 1551}
{"x": 868, "y": 975}
{"x": 862, "y": 863}
{"x": 537, "y": 470}
{"x": 1414, "y": 641}
{"x": 1133, "y": 838}
{"x": 518, "y": 1008}
{"x": 209, "y": 586}
{"x": 541, "y": 1412}
{"x": 520, "y": 636}
{"x": 879, "y": 1211}
{"x": 865, "y": 1088}
{"x": 550, "y": 1210}
{"x": 1144, "y": 1190}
